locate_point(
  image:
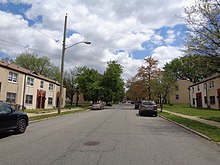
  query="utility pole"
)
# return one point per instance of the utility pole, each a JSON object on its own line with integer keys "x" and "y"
{"x": 62, "y": 64}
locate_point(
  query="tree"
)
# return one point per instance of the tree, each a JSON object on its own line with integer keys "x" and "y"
{"x": 70, "y": 84}
{"x": 163, "y": 85}
{"x": 148, "y": 73}
{"x": 112, "y": 82}
{"x": 89, "y": 84}
{"x": 192, "y": 68}
{"x": 41, "y": 65}
{"x": 136, "y": 89}
{"x": 203, "y": 20}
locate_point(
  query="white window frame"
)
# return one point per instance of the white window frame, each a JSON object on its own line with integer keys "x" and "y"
{"x": 30, "y": 81}
{"x": 12, "y": 77}
{"x": 50, "y": 86}
{"x": 41, "y": 84}
{"x": 29, "y": 99}
{"x": 211, "y": 84}
{"x": 11, "y": 97}
{"x": 50, "y": 101}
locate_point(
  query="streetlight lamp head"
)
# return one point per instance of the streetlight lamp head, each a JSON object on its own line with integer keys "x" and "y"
{"x": 87, "y": 42}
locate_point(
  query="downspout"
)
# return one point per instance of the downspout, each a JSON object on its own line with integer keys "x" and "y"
{"x": 208, "y": 105}
{"x": 189, "y": 97}
{"x": 24, "y": 92}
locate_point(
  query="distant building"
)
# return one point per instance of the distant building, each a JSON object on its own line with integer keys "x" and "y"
{"x": 80, "y": 99}
{"x": 206, "y": 93}
{"x": 180, "y": 94}
{"x": 22, "y": 88}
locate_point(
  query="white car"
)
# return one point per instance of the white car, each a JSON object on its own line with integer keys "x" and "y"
{"x": 97, "y": 106}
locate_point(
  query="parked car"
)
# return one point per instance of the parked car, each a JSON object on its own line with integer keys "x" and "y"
{"x": 137, "y": 104}
{"x": 148, "y": 108}
{"x": 97, "y": 106}
{"x": 11, "y": 119}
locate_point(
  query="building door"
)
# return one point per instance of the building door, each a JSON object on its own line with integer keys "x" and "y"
{"x": 41, "y": 97}
{"x": 199, "y": 100}
{"x": 218, "y": 97}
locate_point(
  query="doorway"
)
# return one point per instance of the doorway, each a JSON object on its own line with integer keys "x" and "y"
{"x": 41, "y": 97}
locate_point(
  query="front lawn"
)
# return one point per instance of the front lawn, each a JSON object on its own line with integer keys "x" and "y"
{"x": 208, "y": 130}
{"x": 184, "y": 109}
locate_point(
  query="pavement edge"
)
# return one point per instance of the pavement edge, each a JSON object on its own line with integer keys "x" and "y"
{"x": 189, "y": 129}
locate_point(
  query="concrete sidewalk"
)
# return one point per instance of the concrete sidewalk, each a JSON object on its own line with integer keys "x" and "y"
{"x": 209, "y": 122}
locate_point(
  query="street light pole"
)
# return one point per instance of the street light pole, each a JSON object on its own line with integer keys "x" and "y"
{"x": 61, "y": 100}
{"x": 62, "y": 63}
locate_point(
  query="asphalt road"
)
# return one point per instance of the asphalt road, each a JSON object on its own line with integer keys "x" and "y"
{"x": 115, "y": 136}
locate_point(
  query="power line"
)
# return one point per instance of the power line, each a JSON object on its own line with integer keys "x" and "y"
{"x": 26, "y": 47}
{"x": 62, "y": 8}
{"x": 36, "y": 29}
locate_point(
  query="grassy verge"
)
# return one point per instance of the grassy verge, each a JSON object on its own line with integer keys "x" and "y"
{"x": 208, "y": 114}
{"x": 55, "y": 114}
{"x": 208, "y": 130}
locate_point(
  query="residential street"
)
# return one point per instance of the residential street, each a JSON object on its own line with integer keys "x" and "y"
{"x": 113, "y": 136}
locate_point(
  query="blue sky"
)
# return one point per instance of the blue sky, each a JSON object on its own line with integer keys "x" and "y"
{"x": 127, "y": 31}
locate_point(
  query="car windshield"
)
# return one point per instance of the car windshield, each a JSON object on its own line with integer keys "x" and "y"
{"x": 148, "y": 103}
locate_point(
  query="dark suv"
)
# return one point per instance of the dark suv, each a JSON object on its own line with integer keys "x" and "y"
{"x": 11, "y": 119}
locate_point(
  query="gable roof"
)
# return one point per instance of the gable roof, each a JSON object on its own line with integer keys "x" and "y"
{"x": 207, "y": 79}
{"x": 25, "y": 71}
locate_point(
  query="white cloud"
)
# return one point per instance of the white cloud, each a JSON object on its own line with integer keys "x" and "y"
{"x": 171, "y": 37}
{"x": 165, "y": 54}
{"x": 109, "y": 25}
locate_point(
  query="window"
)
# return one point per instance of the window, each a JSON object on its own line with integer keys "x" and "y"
{"x": 50, "y": 86}
{"x": 205, "y": 99}
{"x": 29, "y": 99}
{"x": 193, "y": 89}
{"x": 4, "y": 109}
{"x": 198, "y": 88}
{"x": 0, "y": 86}
{"x": 11, "y": 97}
{"x": 211, "y": 84}
{"x": 41, "y": 84}
{"x": 177, "y": 97}
{"x": 30, "y": 81}
{"x": 12, "y": 77}
{"x": 212, "y": 99}
{"x": 177, "y": 88}
{"x": 50, "y": 100}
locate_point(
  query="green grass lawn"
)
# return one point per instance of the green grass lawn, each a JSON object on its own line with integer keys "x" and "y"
{"x": 55, "y": 114}
{"x": 208, "y": 130}
{"x": 208, "y": 114}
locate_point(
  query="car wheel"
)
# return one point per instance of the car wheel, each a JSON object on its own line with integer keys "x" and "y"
{"x": 21, "y": 126}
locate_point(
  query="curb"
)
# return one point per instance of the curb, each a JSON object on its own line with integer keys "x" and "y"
{"x": 47, "y": 118}
{"x": 189, "y": 129}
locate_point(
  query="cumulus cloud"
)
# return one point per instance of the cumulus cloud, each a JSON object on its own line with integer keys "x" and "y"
{"x": 165, "y": 54}
{"x": 110, "y": 26}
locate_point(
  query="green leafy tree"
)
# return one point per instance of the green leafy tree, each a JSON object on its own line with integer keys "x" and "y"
{"x": 40, "y": 65}
{"x": 112, "y": 82}
{"x": 192, "y": 68}
{"x": 71, "y": 84}
{"x": 89, "y": 84}
{"x": 163, "y": 85}
{"x": 203, "y": 20}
